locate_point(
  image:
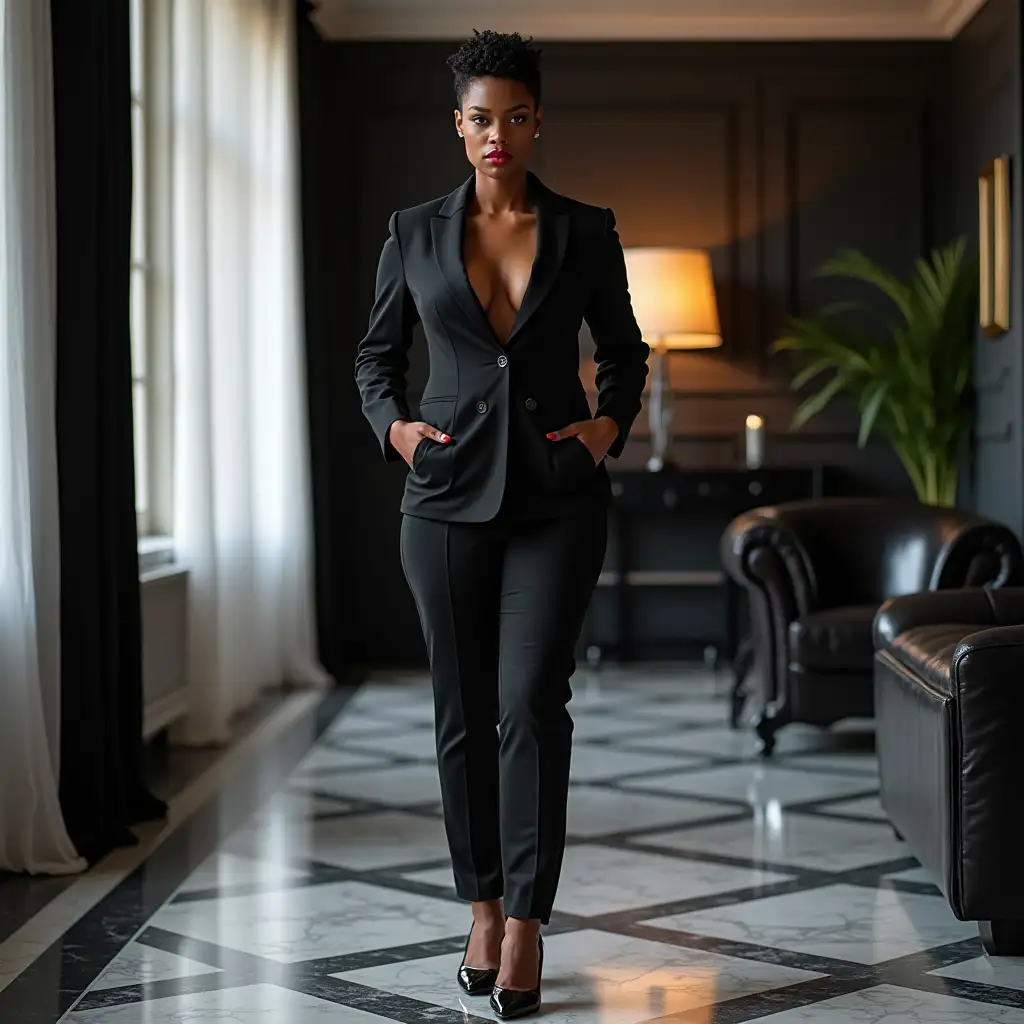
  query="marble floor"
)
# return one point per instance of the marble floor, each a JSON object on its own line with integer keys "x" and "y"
{"x": 699, "y": 885}
{"x": 170, "y": 772}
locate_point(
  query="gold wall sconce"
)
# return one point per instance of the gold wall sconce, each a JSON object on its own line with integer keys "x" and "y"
{"x": 994, "y": 247}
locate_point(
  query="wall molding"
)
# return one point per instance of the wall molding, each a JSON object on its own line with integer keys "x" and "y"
{"x": 647, "y": 19}
{"x": 949, "y": 16}
{"x": 993, "y": 382}
{"x": 999, "y": 434}
{"x": 795, "y": 109}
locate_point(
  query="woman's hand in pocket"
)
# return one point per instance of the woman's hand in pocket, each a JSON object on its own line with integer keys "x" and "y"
{"x": 405, "y": 435}
{"x": 597, "y": 435}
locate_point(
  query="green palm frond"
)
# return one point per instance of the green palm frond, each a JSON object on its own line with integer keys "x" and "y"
{"x": 873, "y": 397}
{"x": 912, "y": 386}
{"x": 812, "y": 406}
{"x": 853, "y": 264}
{"x": 812, "y": 370}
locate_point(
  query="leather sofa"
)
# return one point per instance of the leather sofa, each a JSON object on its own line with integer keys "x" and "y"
{"x": 816, "y": 573}
{"x": 949, "y": 693}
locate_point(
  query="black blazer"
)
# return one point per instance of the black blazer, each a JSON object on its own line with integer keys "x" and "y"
{"x": 479, "y": 389}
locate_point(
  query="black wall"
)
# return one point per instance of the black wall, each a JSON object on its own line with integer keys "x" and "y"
{"x": 771, "y": 156}
{"x": 987, "y": 122}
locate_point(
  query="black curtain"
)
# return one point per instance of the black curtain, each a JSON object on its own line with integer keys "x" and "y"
{"x": 101, "y": 778}
{"x": 330, "y": 495}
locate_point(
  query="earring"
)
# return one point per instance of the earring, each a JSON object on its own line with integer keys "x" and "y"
{"x": 536, "y": 135}
{"x": 461, "y": 136}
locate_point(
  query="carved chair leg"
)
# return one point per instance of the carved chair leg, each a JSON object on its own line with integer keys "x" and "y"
{"x": 741, "y": 669}
{"x": 767, "y": 725}
{"x": 737, "y": 699}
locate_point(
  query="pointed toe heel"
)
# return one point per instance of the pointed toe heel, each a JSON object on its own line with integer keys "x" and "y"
{"x": 476, "y": 981}
{"x": 510, "y": 1004}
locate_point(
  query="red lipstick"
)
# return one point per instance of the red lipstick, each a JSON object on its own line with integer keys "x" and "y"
{"x": 498, "y": 156}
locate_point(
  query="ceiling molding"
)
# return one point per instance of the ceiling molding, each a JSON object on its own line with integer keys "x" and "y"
{"x": 586, "y": 20}
{"x": 951, "y": 15}
{"x": 329, "y": 18}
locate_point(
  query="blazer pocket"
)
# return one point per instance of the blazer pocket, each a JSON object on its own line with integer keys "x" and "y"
{"x": 427, "y": 454}
{"x": 571, "y": 463}
{"x": 417, "y": 452}
{"x": 429, "y": 457}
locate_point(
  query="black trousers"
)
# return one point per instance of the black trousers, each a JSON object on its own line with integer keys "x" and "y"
{"x": 502, "y": 604}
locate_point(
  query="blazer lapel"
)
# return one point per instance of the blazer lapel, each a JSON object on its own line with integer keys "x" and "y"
{"x": 552, "y": 236}
{"x": 447, "y": 230}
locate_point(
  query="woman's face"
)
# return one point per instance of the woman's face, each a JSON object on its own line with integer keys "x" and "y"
{"x": 498, "y": 121}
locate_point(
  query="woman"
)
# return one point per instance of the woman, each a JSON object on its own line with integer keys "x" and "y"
{"x": 504, "y": 512}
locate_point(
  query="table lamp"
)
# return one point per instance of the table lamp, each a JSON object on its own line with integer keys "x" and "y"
{"x": 673, "y": 297}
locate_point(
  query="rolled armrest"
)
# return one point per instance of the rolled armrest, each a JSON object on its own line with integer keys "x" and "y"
{"x": 986, "y": 674}
{"x": 1007, "y": 605}
{"x": 996, "y": 639}
{"x": 970, "y": 606}
{"x": 978, "y": 553}
{"x": 764, "y": 556}
{"x": 760, "y": 551}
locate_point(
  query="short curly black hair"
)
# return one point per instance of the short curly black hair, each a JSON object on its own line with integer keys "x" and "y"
{"x": 501, "y": 54}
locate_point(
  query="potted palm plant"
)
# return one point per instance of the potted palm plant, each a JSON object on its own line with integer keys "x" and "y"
{"x": 912, "y": 386}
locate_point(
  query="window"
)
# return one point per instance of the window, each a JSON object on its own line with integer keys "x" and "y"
{"x": 151, "y": 356}
{"x": 140, "y": 272}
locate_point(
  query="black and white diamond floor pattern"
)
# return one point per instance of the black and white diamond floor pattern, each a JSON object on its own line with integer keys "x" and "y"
{"x": 699, "y": 884}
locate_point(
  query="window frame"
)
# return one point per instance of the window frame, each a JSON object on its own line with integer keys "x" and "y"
{"x": 151, "y": 40}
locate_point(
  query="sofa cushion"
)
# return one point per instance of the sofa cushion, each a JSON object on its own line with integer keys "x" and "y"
{"x": 836, "y": 640}
{"x": 928, "y": 651}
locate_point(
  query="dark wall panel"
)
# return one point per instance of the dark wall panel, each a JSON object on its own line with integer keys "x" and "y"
{"x": 853, "y": 159}
{"x": 691, "y": 149}
{"x": 987, "y": 122}
{"x": 771, "y": 156}
{"x": 880, "y": 209}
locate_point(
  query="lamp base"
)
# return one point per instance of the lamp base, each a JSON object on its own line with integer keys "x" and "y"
{"x": 660, "y": 411}
{"x": 658, "y": 463}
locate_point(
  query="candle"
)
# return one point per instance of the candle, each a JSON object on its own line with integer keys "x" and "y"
{"x": 755, "y": 442}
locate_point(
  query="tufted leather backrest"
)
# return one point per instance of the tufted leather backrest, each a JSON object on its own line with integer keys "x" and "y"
{"x": 866, "y": 550}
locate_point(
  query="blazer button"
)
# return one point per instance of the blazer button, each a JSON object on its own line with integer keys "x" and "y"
{"x": 481, "y": 406}
{"x": 530, "y": 404}
{"x": 503, "y": 360}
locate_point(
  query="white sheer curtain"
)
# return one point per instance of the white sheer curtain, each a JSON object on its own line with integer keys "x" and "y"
{"x": 242, "y": 519}
{"x": 32, "y": 833}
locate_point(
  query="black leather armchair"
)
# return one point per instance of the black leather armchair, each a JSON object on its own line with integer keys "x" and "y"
{"x": 816, "y": 573}
{"x": 949, "y": 690}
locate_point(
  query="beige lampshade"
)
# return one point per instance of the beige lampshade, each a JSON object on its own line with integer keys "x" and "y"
{"x": 673, "y": 296}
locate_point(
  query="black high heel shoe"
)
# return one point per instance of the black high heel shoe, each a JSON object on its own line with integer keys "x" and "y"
{"x": 509, "y": 1003}
{"x": 476, "y": 981}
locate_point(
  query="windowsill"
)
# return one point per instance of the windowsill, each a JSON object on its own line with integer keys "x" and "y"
{"x": 155, "y": 552}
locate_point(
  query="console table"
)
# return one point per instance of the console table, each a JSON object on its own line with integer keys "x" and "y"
{"x": 683, "y": 501}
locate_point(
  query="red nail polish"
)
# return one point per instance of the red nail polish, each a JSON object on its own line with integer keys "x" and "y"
{"x": 445, "y": 438}
{"x": 551, "y": 437}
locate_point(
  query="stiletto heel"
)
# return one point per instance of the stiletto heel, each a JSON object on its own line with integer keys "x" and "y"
{"x": 508, "y": 1003}
{"x": 476, "y": 981}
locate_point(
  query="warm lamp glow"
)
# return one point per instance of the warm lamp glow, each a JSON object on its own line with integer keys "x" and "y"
{"x": 754, "y": 422}
{"x": 673, "y": 297}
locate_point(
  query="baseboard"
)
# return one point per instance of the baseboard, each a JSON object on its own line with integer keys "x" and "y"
{"x": 162, "y": 712}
